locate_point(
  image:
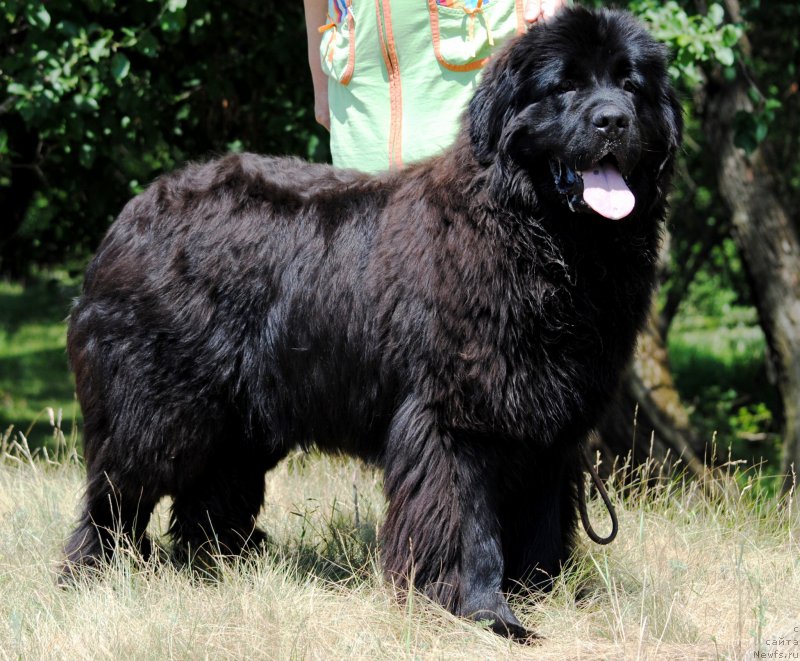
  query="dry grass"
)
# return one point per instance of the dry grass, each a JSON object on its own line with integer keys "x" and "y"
{"x": 688, "y": 577}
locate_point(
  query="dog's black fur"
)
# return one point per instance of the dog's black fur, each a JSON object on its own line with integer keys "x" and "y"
{"x": 455, "y": 322}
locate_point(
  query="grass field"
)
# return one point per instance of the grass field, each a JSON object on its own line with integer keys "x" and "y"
{"x": 720, "y": 370}
{"x": 688, "y": 577}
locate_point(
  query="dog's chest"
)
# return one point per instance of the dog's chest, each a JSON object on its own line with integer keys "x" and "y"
{"x": 549, "y": 352}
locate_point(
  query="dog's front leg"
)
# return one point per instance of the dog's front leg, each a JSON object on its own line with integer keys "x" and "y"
{"x": 441, "y": 533}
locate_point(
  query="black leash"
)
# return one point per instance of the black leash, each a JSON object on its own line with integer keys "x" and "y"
{"x": 587, "y": 525}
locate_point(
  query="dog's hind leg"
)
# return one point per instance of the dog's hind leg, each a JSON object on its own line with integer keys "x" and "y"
{"x": 116, "y": 509}
{"x": 215, "y": 514}
{"x": 441, "y": 533}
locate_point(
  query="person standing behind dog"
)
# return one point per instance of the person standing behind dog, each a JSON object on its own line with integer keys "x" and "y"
{"x": 391, "y": 77}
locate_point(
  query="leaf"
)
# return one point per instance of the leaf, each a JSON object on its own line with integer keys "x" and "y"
{"x": 120, "y": 66}
{"x": 716, "y": 14}
{"x": 762, "y": 128}
{"x": 17, "y": 89}
{"x": 724, "y": 56}
{"x": 148, "y": 44}
{"x": 39, "y": 17}
{"x": 173, "y": 22}
{"x": 87, "y": 154}
{"x": 98, "y": 49}
{"x": 731, "y": 35}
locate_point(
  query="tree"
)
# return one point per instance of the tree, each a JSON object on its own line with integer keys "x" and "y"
{"x": 97, "y": 98}
{"x": 768, "y": 240}
{"x": 736, "y": 95}
{"x": 648, "y": 420}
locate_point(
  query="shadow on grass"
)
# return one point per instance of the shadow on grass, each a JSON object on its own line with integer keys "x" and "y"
{"x": 34, "y": 374}
{"x": 41, "y": 375}
{"x": 335, "y": 547}
{"x": 722, "y": 374}
{"x": 44, "y": 302}
{"x": 29, "y": 384}
{"x": 341, "y": 549}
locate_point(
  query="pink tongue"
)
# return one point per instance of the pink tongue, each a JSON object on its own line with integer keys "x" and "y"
{"x": 605, "y": 191}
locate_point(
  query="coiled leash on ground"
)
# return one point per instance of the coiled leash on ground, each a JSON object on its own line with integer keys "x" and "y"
{"x": 587, "y": 525}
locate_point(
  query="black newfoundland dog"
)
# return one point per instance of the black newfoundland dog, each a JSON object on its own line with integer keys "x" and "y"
{"x": 461, "y": 323}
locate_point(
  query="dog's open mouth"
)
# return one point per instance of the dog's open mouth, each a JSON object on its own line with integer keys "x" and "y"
{"x": 600, "y": 188}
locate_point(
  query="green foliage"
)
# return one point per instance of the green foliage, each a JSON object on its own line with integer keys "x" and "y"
{"x": 753, "y": 126}
{"x": 116, "y": 93}
{"x": 695, "y": 39}
{"x": 717, "y": 354}
{"x": 715, "y": 294}
{"x": 721, "y": 376}
{"x": 716, "y": 350}
{"x": 752, "y": 419}
{"x": 699, "y": 41}
{"x": 774, "y": 35}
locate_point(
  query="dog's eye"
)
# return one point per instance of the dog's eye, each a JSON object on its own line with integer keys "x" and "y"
{"x": 629, "y": 86}
{"x": 566, "y": 86}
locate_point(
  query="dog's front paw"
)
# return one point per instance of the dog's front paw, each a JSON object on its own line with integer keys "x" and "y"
{"x": 515, "y": 631}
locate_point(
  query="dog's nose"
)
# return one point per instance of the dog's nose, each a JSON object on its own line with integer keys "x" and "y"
{"x": 611, "y": 120}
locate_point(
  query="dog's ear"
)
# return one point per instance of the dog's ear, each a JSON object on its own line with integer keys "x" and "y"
{"x": 491, "y": 107}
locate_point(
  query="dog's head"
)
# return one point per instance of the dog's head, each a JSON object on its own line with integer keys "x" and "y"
{"x": 579, "y": 110}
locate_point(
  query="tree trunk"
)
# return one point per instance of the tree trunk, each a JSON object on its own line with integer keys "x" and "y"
{"x": 769, "y": 246}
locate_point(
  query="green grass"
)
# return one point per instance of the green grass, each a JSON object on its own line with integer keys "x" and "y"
{"x": 33, "y": 364}
{"x": 718, "y": 356}
{"x": 721, "y": 372}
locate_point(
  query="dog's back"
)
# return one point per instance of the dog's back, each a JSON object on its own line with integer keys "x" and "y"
{"x": 204, "y": 289}
{"x": 193, "y": 339}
